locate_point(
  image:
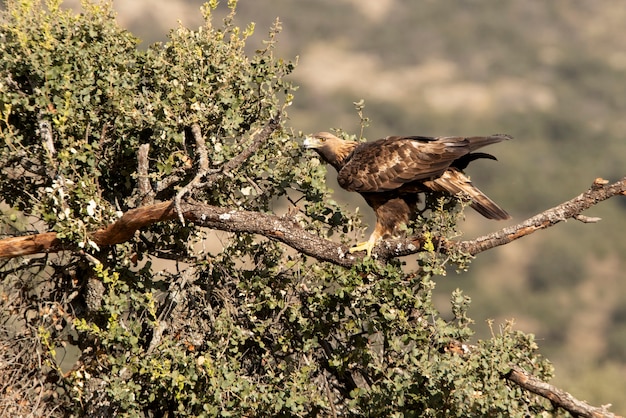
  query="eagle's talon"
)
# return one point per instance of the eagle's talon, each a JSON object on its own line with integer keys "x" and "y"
{"x": 366, "y": 246}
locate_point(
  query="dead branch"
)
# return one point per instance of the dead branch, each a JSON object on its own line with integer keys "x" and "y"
{"x": 203, "y": 169}
{"x": 144, "y": 189}
{"x": 280, "y": 228}
{"x": 599, "y": 191}
{"x": 558, "y": 397}
{"x": 46, "y": 242}
{"x": 527, "y": 381}
{"x": 261, "y": 138}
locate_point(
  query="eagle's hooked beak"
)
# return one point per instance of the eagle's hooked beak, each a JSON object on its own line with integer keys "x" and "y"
{"x": 311, "y": 142}
{"x": 321, "y": 140}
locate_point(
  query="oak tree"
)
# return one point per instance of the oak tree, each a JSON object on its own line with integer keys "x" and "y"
{"x": 168, "y": 248}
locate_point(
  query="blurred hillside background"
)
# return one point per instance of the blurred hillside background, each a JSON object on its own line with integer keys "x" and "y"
{"x": 552, "y": 74}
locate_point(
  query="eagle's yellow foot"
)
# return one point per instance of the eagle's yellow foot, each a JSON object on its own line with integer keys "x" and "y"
{"x": 363, "y": 246}
{"x": 368, "y": 245}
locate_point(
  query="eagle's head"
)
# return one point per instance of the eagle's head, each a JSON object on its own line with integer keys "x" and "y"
{"x": 333, "y": 150}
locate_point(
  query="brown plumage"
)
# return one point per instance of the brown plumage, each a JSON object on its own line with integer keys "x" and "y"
{"x": 390, "y": 172}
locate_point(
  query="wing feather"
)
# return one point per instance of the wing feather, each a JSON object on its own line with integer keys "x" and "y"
{"x": 389, "y": 163}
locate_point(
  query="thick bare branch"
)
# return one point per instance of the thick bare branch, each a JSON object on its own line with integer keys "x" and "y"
{"x": 30, "y": 244}
{"x": 599, "y": 191}
{"x": 281, "y": 228}
{"x": 120, "y": 231}
{"x": 555, "y": 395}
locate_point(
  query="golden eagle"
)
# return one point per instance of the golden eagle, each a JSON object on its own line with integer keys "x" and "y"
{"x": 390, "y": 172}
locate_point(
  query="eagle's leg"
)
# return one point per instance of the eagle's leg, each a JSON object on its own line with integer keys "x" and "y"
{"x": 391, "y": 212}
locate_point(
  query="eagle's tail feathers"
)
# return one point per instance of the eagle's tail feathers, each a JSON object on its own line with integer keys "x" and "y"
{"x": 488, "y": 208}
{"x": 457, "y": 183}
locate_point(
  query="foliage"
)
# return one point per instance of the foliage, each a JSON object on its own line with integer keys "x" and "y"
{"x": 246, "y": 328}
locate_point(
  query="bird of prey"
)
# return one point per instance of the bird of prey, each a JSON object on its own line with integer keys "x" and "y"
{"x": 390, "y": 172}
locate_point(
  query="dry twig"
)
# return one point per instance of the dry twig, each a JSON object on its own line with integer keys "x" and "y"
{"x": 213, "y": 175}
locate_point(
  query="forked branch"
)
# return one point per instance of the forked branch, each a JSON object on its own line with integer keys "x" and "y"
{"x": 599, "y": 191}
{"x": 212, "y": 175}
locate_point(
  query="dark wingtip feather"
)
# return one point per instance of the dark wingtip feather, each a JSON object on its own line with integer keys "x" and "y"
{"x": 463, "y": 162}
